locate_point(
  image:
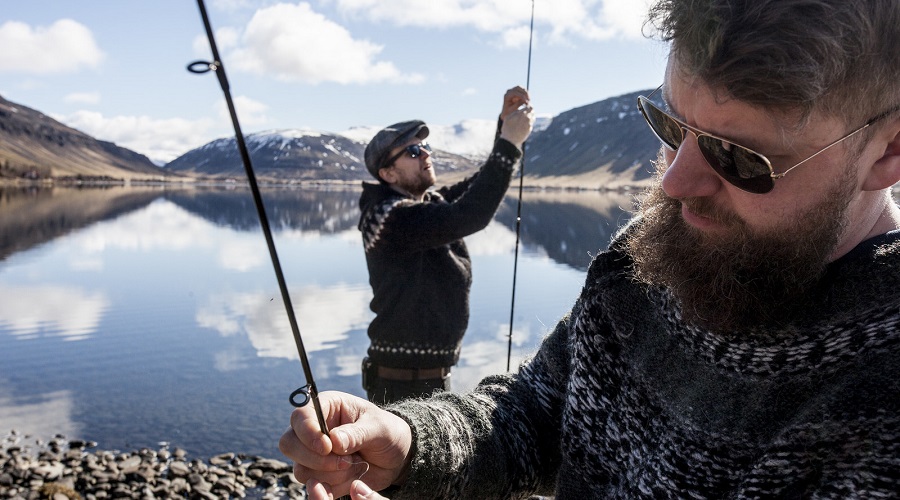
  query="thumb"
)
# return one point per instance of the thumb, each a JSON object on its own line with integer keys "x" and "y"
{"x": 361, "y": 491}
{"x": 349, "y": 438}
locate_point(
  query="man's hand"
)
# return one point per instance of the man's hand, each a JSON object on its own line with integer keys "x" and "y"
{"x": 517, "y": 126}
{"x": 364, "y": 441}
{"x": 513, "y": 100}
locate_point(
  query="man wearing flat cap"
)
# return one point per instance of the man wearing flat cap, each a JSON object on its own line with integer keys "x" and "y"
{"x": 419, "y": 267}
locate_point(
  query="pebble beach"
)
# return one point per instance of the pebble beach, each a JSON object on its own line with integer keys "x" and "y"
{"x": 61, "y": 469}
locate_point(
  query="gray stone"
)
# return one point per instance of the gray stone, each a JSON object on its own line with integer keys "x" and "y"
{"x": 130, "y": 464}
{"x": 179, "y": 469}
{"x": 222, "y": 459}
{"x": 270, "y": 464}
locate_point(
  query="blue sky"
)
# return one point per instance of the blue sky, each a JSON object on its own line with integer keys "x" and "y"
{"x": 115, "y": 69}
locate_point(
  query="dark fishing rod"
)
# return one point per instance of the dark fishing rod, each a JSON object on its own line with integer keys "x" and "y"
{"x": 303, "y": 395}
{"x": 512, "y": 307}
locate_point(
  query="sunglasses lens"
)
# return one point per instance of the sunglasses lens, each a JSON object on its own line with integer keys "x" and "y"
{"x": 737, "y": 164}
{"x": 667, "y": 130}
{"x": 416, "y": 149}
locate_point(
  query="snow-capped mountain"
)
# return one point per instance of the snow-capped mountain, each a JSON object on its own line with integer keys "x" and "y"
{"x": 297, "y": 155}
{"x": 604, "y": 144}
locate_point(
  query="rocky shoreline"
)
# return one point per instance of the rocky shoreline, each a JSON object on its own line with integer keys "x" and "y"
{"x": 62, "y": 469}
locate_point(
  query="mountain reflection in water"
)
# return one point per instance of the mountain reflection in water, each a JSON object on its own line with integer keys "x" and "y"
{"x": 134, "y": 315}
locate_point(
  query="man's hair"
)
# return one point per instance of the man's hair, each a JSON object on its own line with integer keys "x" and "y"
{"x": 837, "y": 57}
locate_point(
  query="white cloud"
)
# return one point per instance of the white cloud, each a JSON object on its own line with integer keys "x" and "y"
{"x": 273, "y": 44}
{"x": 230, "y": 5}
{"x": 63, "y": 47}
{"x": 559, "y": 21}
{"x": 226, "y": 38}
{"x": 160, "y": 139}
{"x": 468, "y": 137}
{"x": 83, "y": 97}
{"x": 515, "y": 37}
{"x": 249, "y": 111}
{"x": 473, "y": 137}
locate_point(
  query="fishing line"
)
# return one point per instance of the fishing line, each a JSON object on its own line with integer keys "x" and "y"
{"x": 348, "y": 461}
{"x": 303, "y": 395}
{"x": 512, "y": 307}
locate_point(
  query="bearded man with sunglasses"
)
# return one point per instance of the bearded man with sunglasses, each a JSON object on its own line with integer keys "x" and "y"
{"x": 740, "y": 338}
{"x": 419, "y": 267}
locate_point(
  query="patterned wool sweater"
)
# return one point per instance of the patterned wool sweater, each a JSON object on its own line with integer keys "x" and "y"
{"x": 419, "y": 267}
{"x": 624, "y": 400}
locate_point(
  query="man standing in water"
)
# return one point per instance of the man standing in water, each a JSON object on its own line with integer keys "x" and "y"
{"x": 740, "y": 338}
{"x": 419, "y": 267}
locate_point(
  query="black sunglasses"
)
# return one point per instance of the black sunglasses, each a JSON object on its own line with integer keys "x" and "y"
{"x": 414, "y": 150}
{"x": 740, "y": 166}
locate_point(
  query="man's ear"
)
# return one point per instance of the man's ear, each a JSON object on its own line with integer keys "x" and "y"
{"x": 885, "y": 172}
{"x": 387, "y": 174}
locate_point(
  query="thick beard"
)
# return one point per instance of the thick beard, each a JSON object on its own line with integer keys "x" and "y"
{"x": 743, "y": 277}
{"x": 415, "y": 185}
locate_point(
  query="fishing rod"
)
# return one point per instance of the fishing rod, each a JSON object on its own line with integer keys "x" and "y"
{"x": 303, "y": 395}
{"x": 512, "y": 306}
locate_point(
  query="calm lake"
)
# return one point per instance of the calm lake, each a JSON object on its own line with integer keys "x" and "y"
{"x": 132, "y": 316}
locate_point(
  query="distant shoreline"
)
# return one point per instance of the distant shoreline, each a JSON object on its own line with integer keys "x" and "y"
{"x": 529, "y": 184}
{"x": 265, "y": 183}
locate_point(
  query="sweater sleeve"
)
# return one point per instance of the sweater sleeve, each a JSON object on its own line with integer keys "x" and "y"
{"x": 411, "y": 226}
{"x": 500, "y": 441}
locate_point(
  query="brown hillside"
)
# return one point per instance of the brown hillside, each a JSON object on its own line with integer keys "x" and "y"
{"x": 33, "y": 145}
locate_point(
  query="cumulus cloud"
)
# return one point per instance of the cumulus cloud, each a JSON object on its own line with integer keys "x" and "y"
{"x": 249, "y": 111}
{"x": 83, "y": 97}
{"x": 63, "y": 47}
{"x": 273, "y": 44}
{"x": 226, "y": 38}
{"x": 230, "y": 5}
{"x": 560, "y": 21}
{"x": 161, "y": 140}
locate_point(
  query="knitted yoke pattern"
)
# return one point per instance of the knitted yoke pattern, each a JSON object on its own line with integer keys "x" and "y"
{"x": 419, "y": 267}
{"x": 625, "y": 400}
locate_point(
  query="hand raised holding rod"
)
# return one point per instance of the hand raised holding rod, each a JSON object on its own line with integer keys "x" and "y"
{"x": 517, "y": 116}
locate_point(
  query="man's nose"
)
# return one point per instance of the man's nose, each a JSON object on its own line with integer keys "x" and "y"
{"x": 687, "y": 172}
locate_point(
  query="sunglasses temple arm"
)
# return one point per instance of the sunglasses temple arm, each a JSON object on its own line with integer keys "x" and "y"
{"x": 826, "y": 148}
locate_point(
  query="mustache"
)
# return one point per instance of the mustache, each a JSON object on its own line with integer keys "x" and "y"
{"x": 656, "y": 199}
{"x": 705, "y": 207}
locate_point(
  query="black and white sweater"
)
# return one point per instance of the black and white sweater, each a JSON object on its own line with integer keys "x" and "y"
{"x": 419, "y": 267}
{"x": 624, "y": 400}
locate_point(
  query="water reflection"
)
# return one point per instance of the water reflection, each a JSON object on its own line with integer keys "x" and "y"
{"x": 325, "y": 211}
{"x": 329, "y": 313}
{"x": 72, "y": 313}
{"x": 30, "y": 216}
{"x": 38, "y": 414}
{"x": 570, "y": 228}
{"x": 180, "y": 328}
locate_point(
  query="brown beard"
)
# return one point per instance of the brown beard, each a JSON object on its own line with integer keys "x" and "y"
{"x": 744, "y": 277}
